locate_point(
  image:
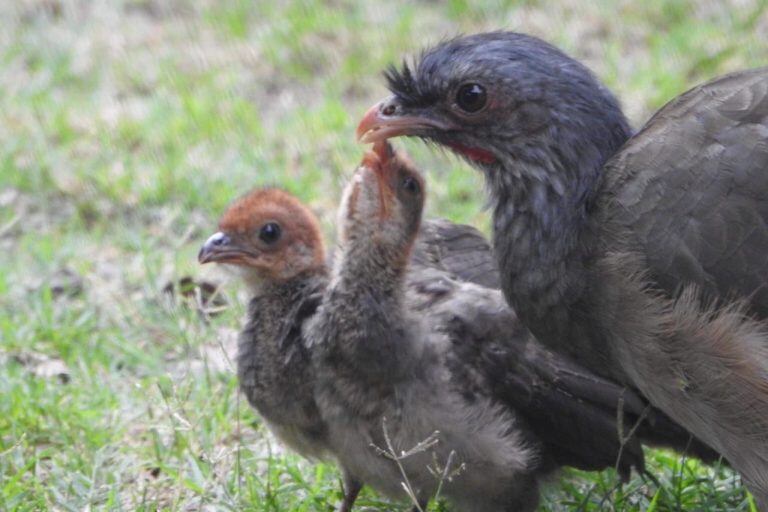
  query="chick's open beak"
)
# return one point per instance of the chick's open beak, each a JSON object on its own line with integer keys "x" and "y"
{"x": 220, "y": 248}
{"x": 377, "y": 161}
{"x": 389, "y": 118}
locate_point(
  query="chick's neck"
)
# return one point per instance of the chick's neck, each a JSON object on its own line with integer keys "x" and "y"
{"x": 370, "y": 260}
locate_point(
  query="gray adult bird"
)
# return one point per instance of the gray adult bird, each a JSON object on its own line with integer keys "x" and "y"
{"x": 645, "y": 268}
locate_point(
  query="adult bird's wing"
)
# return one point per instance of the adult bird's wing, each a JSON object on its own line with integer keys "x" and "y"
{"x": 573, "y": 411}
{"x": 458, "y": 249}
{"x": 692, "y": 188}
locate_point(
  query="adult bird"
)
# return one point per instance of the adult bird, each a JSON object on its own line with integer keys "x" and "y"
{"x": 646, "y": 268}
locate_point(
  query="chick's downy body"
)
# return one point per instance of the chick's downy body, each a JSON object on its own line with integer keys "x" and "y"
{"x": 274, "y": 367}
{"x": 273, "y": 243}
{"x": 384, "y": 386}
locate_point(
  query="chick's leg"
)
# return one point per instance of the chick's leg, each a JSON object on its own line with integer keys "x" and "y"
{"x": 351, "y": 489}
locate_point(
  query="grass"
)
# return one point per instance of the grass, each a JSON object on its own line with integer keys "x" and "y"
{"x": 126, "y": 126}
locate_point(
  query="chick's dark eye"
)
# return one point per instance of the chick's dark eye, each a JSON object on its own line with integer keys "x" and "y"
{"x": 471, "y": 97}
{"x": 270, "y": 233}
{"x": 411, "y": 185}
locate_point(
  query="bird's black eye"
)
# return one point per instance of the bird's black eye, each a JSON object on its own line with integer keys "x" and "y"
{"x": 411, "y": 184}
{"x": 471, "y": 97}
{"x": 270, "y": 232}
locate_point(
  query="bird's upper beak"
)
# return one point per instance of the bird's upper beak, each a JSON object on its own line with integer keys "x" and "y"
{"x": 220, "y": 248}
{"x": 389, "y": 118}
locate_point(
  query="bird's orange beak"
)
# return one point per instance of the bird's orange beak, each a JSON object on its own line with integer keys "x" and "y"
{"x": 389, "y": 118}
{"x": 378, "y": 160}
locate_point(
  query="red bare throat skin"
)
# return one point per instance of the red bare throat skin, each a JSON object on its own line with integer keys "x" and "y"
{"x": 475, "y": 154}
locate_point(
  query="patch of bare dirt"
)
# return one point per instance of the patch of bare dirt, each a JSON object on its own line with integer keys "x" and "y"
{"x": 38, "y": 364}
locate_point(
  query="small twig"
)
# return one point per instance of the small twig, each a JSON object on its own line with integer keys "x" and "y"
{"x": 209, "y": 309}
{"x": 406, "y": 482}
{"x": 391, "y": 454}
{"x": 14, "y": 445}
{"x": 186, "y": 236}
{"x": 623, "y": 440}
{"x": 608, "y": 494}
{"x": 238, "y": 467}
{"x": 8, "y": 226}
{"x": 230, "y": 363}
{"x": 445, "y": 474}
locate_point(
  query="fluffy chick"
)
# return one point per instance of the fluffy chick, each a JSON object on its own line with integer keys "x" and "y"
{"x": 382, "y": 377}
{"x": 273, "y": 242}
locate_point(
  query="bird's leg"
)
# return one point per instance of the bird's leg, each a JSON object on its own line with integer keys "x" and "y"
{"x": 351, "y": 489}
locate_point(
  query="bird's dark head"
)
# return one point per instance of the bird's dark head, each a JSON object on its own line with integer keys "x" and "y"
{"x": 384, "y": 201}
{"x": 501, "y": 100}
{"x": 266, "y": 235}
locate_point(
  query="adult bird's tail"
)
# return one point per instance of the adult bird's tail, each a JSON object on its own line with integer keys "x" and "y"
{"x": 709, "y": 365}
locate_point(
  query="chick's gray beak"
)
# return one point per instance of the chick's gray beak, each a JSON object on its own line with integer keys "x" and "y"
{"x": 218, "y": 245}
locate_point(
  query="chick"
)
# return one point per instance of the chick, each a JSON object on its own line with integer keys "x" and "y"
{"x": 273, "y": 242}
{"x": 384, "y": 384}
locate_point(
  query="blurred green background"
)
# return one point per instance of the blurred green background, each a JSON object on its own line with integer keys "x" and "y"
{"x": 125, "y": 129}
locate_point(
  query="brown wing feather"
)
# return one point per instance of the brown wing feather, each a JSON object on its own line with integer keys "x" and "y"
{"x": 692, "y": 187}
{"x": 458, "y": 249}
{"x": 573, "y": 411}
